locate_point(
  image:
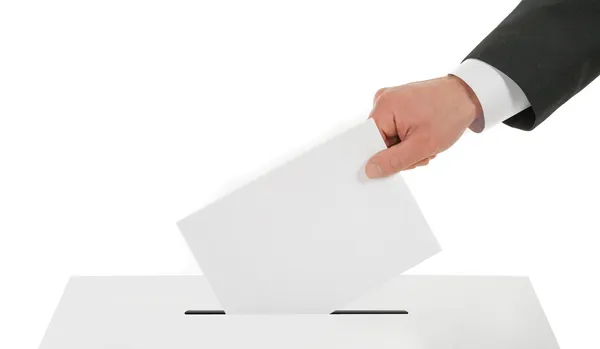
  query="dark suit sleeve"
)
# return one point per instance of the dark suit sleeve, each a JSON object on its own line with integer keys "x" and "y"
{"x": 550, "y": 48}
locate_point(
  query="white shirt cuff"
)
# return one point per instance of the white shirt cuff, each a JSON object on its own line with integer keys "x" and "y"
{"x": 500, "y": 97}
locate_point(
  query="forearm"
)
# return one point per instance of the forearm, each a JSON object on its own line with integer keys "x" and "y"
{"x": 551, "y": 49}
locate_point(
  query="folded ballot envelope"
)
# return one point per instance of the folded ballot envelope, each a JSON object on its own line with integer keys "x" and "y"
{"x": 312, "y": 235}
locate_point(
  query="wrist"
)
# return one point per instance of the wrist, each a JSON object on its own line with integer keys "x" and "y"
{"x": 468, "y": 102}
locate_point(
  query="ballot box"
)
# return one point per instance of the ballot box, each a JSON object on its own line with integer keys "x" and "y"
{"x": 408, "y": 312}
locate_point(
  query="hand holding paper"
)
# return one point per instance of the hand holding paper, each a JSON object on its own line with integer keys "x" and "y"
{"x": 313, "y": 234}
{"x": 428, "y": 116}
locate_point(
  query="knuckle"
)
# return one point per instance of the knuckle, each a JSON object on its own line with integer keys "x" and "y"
{"x": 395, "y": 163}
{"x": 403, "y": 126}
{"x": 384, "y": 97}
{"x": 428, "y": 142}
{"x": 380, "y": 92}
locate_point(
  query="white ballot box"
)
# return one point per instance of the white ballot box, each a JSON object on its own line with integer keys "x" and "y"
{"x": 408, "y": 312}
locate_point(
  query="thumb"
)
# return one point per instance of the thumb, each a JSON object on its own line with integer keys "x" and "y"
{"x": 397, "y": 158}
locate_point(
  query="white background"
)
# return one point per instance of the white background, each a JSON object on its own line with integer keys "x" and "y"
{"x": 118, "y": 118}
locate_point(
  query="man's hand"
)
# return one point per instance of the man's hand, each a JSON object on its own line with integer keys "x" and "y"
{"x": 419, "y": 121}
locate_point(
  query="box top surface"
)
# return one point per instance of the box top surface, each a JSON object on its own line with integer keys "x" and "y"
{"x": 444, "y": 312}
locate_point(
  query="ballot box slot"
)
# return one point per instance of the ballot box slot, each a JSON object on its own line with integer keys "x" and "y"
{"x": 370, "y": 312}
{"x": 337, "y": 312}
{"x": 205, "y": 312}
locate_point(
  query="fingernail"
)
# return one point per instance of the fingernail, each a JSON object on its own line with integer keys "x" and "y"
{"x": 373, "y": 171}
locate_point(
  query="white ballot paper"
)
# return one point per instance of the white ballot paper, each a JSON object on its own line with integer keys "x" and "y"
{"x": 311, "y": 235}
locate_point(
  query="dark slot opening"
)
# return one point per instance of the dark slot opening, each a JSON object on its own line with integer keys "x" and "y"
{"x": 205, "y": 312}
{"x": 337, "y": 312}
{"x": 370, "y": 312}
